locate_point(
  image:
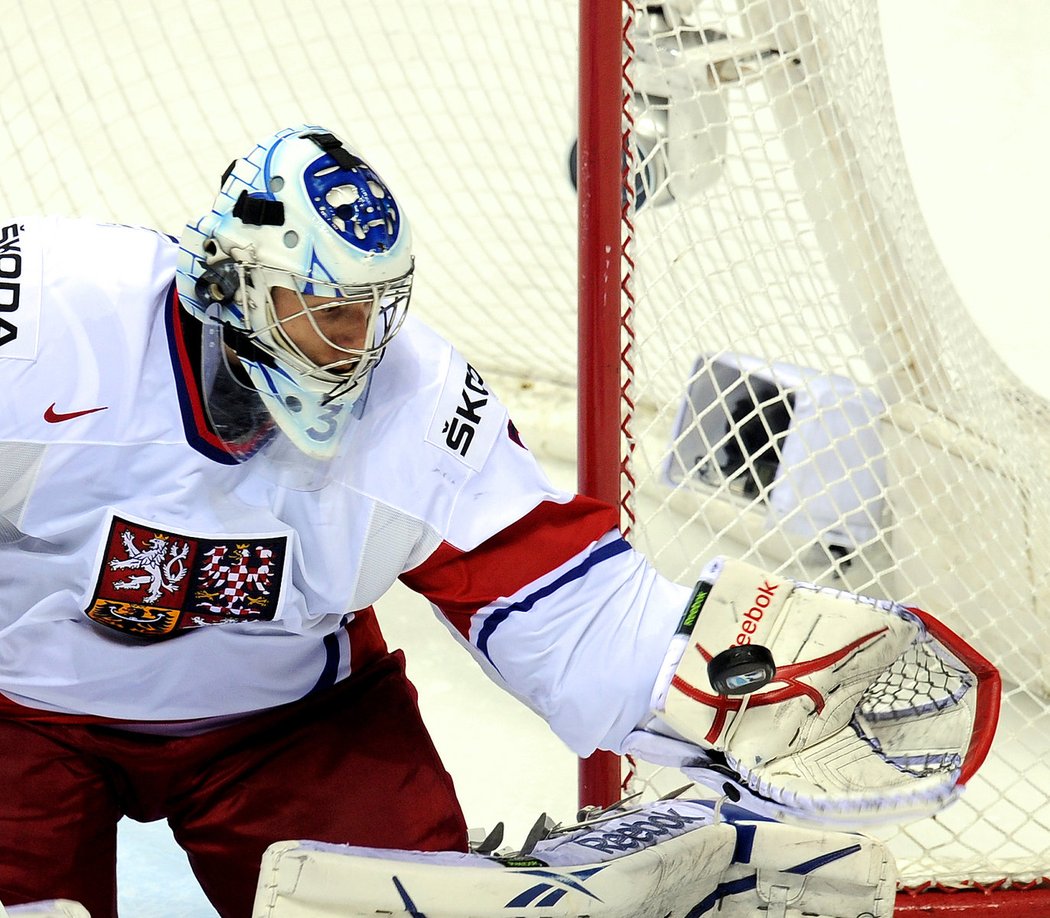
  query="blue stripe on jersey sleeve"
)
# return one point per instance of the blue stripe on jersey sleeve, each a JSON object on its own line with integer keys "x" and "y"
{"x": 331, "y": 664}
{"x": 617, "y": 547}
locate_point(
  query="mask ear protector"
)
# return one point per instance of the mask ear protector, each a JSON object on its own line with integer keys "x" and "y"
{"x": 219, "y": 281}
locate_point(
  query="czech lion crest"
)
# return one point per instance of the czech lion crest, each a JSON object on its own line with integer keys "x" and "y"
{"x": 154, "y": 582}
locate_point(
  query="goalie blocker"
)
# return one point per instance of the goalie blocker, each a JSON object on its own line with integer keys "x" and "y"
{"x": 852, "y": 710}
{"x": 672, "y": 859}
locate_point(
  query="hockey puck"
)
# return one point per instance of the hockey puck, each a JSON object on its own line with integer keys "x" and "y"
{"x": 741, "y": 670}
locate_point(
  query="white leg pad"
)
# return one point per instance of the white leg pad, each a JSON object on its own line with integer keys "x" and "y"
{"x": 670, "y": 860}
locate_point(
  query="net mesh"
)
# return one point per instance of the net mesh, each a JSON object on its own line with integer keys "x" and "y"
{"x": 811, "y": 393}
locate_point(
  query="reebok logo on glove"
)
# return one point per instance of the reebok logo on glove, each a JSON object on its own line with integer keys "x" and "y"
{"x": 753, "y": 616}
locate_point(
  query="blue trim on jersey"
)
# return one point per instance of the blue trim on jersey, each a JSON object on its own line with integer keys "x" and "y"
{"x": 494, "y": 620}
{"x": 331, "y": 664}
{"x": 185, "y": 384}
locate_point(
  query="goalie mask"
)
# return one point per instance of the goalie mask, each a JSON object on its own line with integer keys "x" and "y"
{"x": 302, "y": 271}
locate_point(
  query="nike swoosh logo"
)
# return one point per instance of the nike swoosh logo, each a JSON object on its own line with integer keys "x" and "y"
{"x": 57, "y": 417}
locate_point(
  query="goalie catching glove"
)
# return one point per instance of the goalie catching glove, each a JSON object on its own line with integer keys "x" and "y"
{"x": 817, "y": 705}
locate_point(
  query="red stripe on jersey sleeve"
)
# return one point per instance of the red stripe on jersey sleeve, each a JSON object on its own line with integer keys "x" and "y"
{"x": 461, "y": 582}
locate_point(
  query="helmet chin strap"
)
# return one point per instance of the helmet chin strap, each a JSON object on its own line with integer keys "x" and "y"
{"x": 242, "y": 345}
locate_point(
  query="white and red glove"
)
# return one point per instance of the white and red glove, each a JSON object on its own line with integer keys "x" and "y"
{"x": 820, "y": 706}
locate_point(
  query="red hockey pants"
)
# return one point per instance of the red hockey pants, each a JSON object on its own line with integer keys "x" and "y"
{"x": 351, "y": 765}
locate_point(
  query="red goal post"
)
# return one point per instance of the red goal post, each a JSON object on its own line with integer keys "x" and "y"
{"x": 603, "y": 330}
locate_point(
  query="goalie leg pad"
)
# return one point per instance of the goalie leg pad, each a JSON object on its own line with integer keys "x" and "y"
{"x": 672, "y": 859}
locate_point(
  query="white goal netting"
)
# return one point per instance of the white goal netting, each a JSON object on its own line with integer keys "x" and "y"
{"x": 809, "y": 392}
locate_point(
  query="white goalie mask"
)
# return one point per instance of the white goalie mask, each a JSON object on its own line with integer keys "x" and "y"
{"x": 305, "y": 221}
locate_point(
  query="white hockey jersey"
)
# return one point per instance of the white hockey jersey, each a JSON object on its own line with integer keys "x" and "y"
{"x": 143, "y": 580}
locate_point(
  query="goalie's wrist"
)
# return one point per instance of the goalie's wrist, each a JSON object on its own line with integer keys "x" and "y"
{"x": 682, "y": 634}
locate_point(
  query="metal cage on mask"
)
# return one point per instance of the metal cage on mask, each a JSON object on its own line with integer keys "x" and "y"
{"x": 340, "y": 378}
